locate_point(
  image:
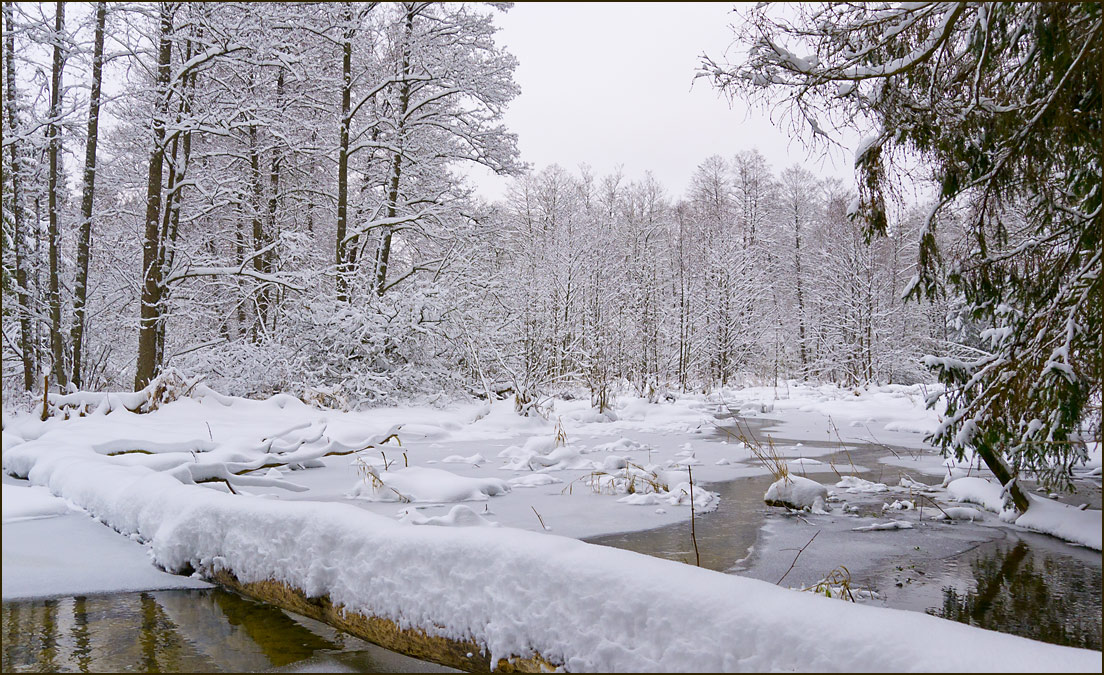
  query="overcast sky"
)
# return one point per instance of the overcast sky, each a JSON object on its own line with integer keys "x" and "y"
{"x": 613, "y": 83}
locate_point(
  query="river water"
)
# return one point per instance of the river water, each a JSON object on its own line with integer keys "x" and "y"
{"x": 189, "y": 631}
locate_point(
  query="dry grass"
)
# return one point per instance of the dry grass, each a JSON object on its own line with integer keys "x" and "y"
{"x": 632, "y": 479}
{"x": 561, "y": 433}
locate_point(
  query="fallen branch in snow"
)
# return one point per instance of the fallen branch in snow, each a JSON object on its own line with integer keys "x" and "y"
{"x": 167, "y": 387}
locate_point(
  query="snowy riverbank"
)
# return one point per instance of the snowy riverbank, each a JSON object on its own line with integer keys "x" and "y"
{"x": 516, "y": 592}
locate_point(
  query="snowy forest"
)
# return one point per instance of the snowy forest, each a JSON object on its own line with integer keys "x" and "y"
{"x": 254, "y": 301}
{"x": 278, "y": 203}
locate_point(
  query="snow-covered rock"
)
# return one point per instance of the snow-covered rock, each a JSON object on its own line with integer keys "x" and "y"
{"x": 796, "y": 492}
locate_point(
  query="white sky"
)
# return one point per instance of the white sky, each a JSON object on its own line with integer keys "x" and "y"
{"x": 610, "y": 83}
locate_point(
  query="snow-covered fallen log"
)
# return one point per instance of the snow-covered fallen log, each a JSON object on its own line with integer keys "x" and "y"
{"x": 513, "y": 593}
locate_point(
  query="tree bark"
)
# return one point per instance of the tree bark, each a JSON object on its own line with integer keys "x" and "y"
{"x": 27, "y": 342}
{"x": 259, "y": 240}
{"x": 152, "y": 285}
{"x": 384, "y": 252}
{"x": 273, "y": 203}
{"x": 84, "y": 245}
{"x": 341, "y": 257}
{"x": 53, "y": 134}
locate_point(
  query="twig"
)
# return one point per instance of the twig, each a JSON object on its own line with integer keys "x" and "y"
{"x": 693, "y": 532}
{"x": 539, "y": 517}
{"x": 799, "y": 552}
{"x": 933, "y": 502}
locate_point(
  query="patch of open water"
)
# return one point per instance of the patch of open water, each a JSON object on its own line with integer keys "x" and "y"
{"x": 184, "y": 631}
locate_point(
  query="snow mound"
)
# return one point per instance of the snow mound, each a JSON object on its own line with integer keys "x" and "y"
{"x": 704, "y": 500}
{"x": 855, "y": 485}
{"x": 795, "y": 492}
{"x": 621, "y": 445}
{"x": 24, "y": 503}
{"x": 419, "y": 484}
{"x": 533, "y": 480}
{"x": 458, "y": 459}
{"x": 899, "y": 505}
{"x": 974, "y": 490}
{"x": 891, "y": 525}
{"x": 957, "y": 513}
{"x": 458, "y": 516}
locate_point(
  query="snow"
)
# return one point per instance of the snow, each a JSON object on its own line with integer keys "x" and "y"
{"x": 458, "y": 516}
{"x": 973, "y": 490}
{"x": 1063, "y": 521}
{"x": 420, "y": 484}
{"x": 796, "y": 492}
{"x": 854, "y": 484}
{"x": 890, "y": 525}
{"x": 479, "y": 570}
{"x": 22, "y": 503}
{"x": 1044, "y": 515}
{"x": 51, "y": 550}
{"x": 574, "y": 603}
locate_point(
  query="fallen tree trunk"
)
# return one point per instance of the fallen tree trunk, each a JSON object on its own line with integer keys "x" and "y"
{"x": 464, "y": 655}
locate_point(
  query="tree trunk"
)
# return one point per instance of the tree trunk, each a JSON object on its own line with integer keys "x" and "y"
{"x": 384, "y": 252}
{"x": 800, "y": 298}
{"x": 343, "y": 157}
{"x": 259, "y": 241}
{"x": 151, "y": 309}
{"x": 995, "y": 462}
{"x": 26, "y": 336}
{"x": 273, "y": 203}
{"x": 84, "y": 245}
{"x": 53, "y": 133}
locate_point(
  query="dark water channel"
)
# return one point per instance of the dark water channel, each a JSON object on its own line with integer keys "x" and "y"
{"x": 181, "y": 631}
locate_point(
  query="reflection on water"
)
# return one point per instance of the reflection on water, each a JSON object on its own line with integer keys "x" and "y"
{"x": 1036, "y": 595}
{"x": 179, "y": 631}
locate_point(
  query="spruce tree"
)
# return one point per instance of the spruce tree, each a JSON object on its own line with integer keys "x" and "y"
{"x": 1002, "y": 101}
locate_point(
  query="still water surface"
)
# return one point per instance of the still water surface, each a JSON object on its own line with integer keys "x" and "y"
{"x": 181, "y": 631}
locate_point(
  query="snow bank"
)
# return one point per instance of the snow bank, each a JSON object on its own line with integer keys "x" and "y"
{"x": 1063, "y": 521}
{"x": 23, "y": 503}
{"x": 974, "y": 490}
{"x": 796, "y": 492}
{"x": 1044, "y": 515}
